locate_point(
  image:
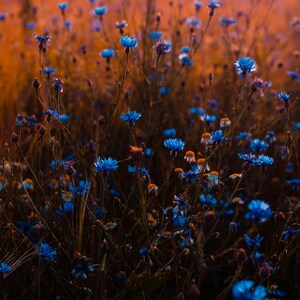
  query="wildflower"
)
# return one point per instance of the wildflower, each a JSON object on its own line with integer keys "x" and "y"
{"x": 105, "y": 165}
{"x": 81, "y": 267}
{"x": 30, "y": 25}
{"x": 244, "y": 136}
{"x": 297, "y": 126}
{"x": 162, "y": 47}
{"x": 274, "y": 292}
{"x": 245, "y": 290}
{"x": 4, "y": 268}
{"x": 250, "y": 159}
{"x": 253, "y": 242}
{"x": 185, "y": 49}
{"x": 224, "y": 122}
{"x": 228, "y": 21}
{"x": 67, "y": 208}
{"x": 107, "y": 53}
{"x": 3, "y": 16}
{"x": 264, "y": 160}
{"x": 294, "y": 76}
{"x": 202, "y": 164}
{"x": 289, "y": 232}
{"x": 208, "y": 199}
{"x": 258, "y": 210}
{"x": 164, "y": 91}
{"x": 189, "y": 175}
{"x": 190, "y": 157}
{"x": 193, "y": 22}
{"x": 49, "y": 71}
{"x": 181, "y": 203}
{"x": 217, "y": 136}
{"x": 170, "y": 133}
{"x": 42, "y": 40}
{"x": 142, "y": 171}
{"x": 47, "y": 253}
{"x": 144, "y": 251}
{"x": 128, "y": 42}
{"x": 100, "y": 11}
{"x": 270, "y": 136}
{"x": 197, "y": 5}
{"x": 174, "y": 144}
{"x": 131, "y": 117}
{"x": 213, "y": 178}
{"x": 213, "y": 4}
{"x": 185, "y": 60}
{"x": 68, "y": 24}
{"x": 63, "y": 6}
{"x": 286, "y": 98}
{"x": 258, "y": 145}
{"x": 245, "y": 66}
{"x": 58, "y": 84}
{"x": 109, "y": 226}
{"x": 154, "y": 35}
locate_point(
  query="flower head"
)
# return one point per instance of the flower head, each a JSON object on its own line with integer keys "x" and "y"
{"x": 47, "y": 253}
{"x": 107, "y": 53}
{"x": 100, "y": 11}
{"x": 154, "y": 35}
{"x": 258, "y": 210}
{"x": 128, "y": 42}
{"x": 217, "y": 136}
{"x": 253, "y": 242}
{"x": 162, "y": 47}
{"x": 63, "y": 6}
{"x": 81, "y": 267}
{"x": 58, "y": 84}
{"x": 174, "y": 144}
{"x": 258, "y": 145}
{"x": 245, "y": 66}
{"x": 284, "y": 97}
{"x": 4, "y": 268}
{"x": 130, "y": 117}
{"x": 264, "y": 160}
{"x": 245, "y": 290}
{"x": 105, "y": 165}
{"x": 49, "y": 70}
{"x": 228, "y": 21}
{"x": 208, "y": 199}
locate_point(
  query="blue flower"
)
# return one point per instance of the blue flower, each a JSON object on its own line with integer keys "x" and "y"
{"x": 107, "y": 53}
{"x": 197, "y": 111}
{"x": 68, "y": 24}
{"x": 258, "y": 210}
{"x": 30, "y": 25}
{"x": 249, "y": 159}
{"x": 217, "y": 136}
{"x": 245, "y": 66}
{"x": 154, "y": 35}
{"x": 144, "y": 251}
{"x": 198, "y": 5}
{"x": 208, "y": 199}
{"x": 128, "y": 42}
{"x": 4, "y": 268}
{"x": 81, "y": 267}
{"x": 213, "y": 4}
{"x": 295, "y": 183}
{"x": 228, "y": 21}
{"x": 49, "y": 70}
{"x": 62, "y": 6}
{"x": 100, "y": 11}
{"x": 244, "y": 136}
{"x": 67, "y": 209}
{"x": 264, "y": 160}
{"x": 245, "y": 290}
{"x": 297, "y": 126}
{"x": 132, "y": 169}
{"x": 189, "y": 175}
{"x": 174, "y": 144}
{"x": 164, "y": 91}
{"x": 294, "y": 76}
{"x": 289, "y": 232}
{"x": 253, "y": 242}
{"x": 42, "y": 38}
{"x": 284, "y": 97}
{"x": 3, "y": 16}
{"x": 130, "y": 117}
{"x": 162, "y": 47}
{"x": 193, "y": 21}
{"x": 47, "y": 253}
{"x": 185, "y": 49}
{"x": 170, "y": 133}
{"x": 105, "y": 165}
{"x": 185, "y": 60}
{"x": 258, "y": 145}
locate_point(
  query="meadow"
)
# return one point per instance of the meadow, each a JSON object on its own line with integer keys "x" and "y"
{"x": 150, "y": 149}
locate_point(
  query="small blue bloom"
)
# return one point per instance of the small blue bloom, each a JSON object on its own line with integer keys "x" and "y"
{"x": 197, "y": 111}
{"x": 185, "y": 49}
{"x": 63, "y": 6}
{"x": 284, "y": 97}
{"x": 170, "y": 133}
{"x": 67, "y": 209}
{"x": 185, "y": 60}
{"x": 198, "y": 5}
{"x": 190, "y": 176}
{"x": 3, "y": 16}
{"x": 258, "y": 210}
{"x": 174, "y": 144}
{"x": 42, "y": 38}
{"x": 208, "y": 199}
{"x": 264, "y": 160}
{"x": 4, "y": 268}
{"x": 213, "y": 4}
{"x": 245, "y": 290}
{"x": 100, "y": 11}
{"x": 132, "y": 169}
{"x": 162, "y": 47}
{"x": 130, "y": 117}
{"x": 148, "y": 152}
{"x": 128, "y": 42}
{"x": 164, "y": 91}
{"x": 245, "y": 66}
{"x": 209, "y": 118}
{"x": 193, "y": 21}
{"x": 295, "y": 183}
{"x": 297, "y": 126}
{"x": 289, "y": 232}
{"x": 105, "y": 165}
{"x": 107, "y": 53}
{"x": 294, "y": 76}
{"x": 217, "y": 136}
{"x": 49, "y": 70}
{"x": 31, "y": 25}
{"x": 154, "y": 35}
{"x": 228, "y": 21}
{"x": 81, "y": 268}
{"x": 244, "y": 136}
{"x": 258, "y": 145}
{"x": 68, "y": 24}
{"x": 47, "y": 253}
{"x": 249, "y": 159}
{"x": 144, "y": 251}
{"x": 253, "y": 242}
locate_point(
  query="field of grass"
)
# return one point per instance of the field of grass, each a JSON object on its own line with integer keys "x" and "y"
{"x": 150, "y": 149}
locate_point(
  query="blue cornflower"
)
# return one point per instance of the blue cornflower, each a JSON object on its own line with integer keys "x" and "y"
{"x": 249, "y": 159}
{"x": 217, "y": 136}
{"x": 148, "y": 152}
{"x": 209, "y": 118}
{"x": 185, "y": 60}
{"x": 81, "y": 267}
{"x": 162, "y": 47}
{"x": 245, "y": 66}
{"x": 49, "y": 70}
{"x": 4, "y": 268}
{"x": 47, "y": 253}
{"x": 174, "y": 144}
{"x": 284, "y": 97}
{"x": 81, "y": 189}
{"x": 258, "y": 210}
{"x": 253, "y": 242}
{"x": 289, "y": 232}
{"x": 63, "y": 6}
{"x": 30, "y": 25}
{"x": 132, "y": 169}
{"x": 105, "y": 165}
{"x": 294, "y": 76}
{"x": 228, "y": 21}
{"x": 185, "y": 49}
{"x": 189, "y": 175}
{"x": 128, "y": 42}
{"x": 244, "y": 136}
{"x": 154, "y": 35}
{"x": 3, "y": 16}
{"x": 100, "y": 11}
{"x": 198, "y": 5}
{"x": 130, "y": 117}
{"x": 213, "y": 4}
{"x": 245, "y": 290}
{"x": 42, "y": 38}
{"x": 258, "y": 145}
{"x": 193, "y": 21}
{"x": 297, "y": 126}
{"x": 144, "y": 251}
{"x": 295, "y": 183}
{"x": 208, "y": 199}
{"x": 174, "y": 216}
{"x": 264, "y": 160}
{"x": 170, "y": 133}
{"x": 197, "y": 111}
{"x": 270, "y": 136}
{"x": 67, "y": 209}
{"x": 68, "y": 24}
{"x": 107, "y": 53}
{"x": 164, "y": 91}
